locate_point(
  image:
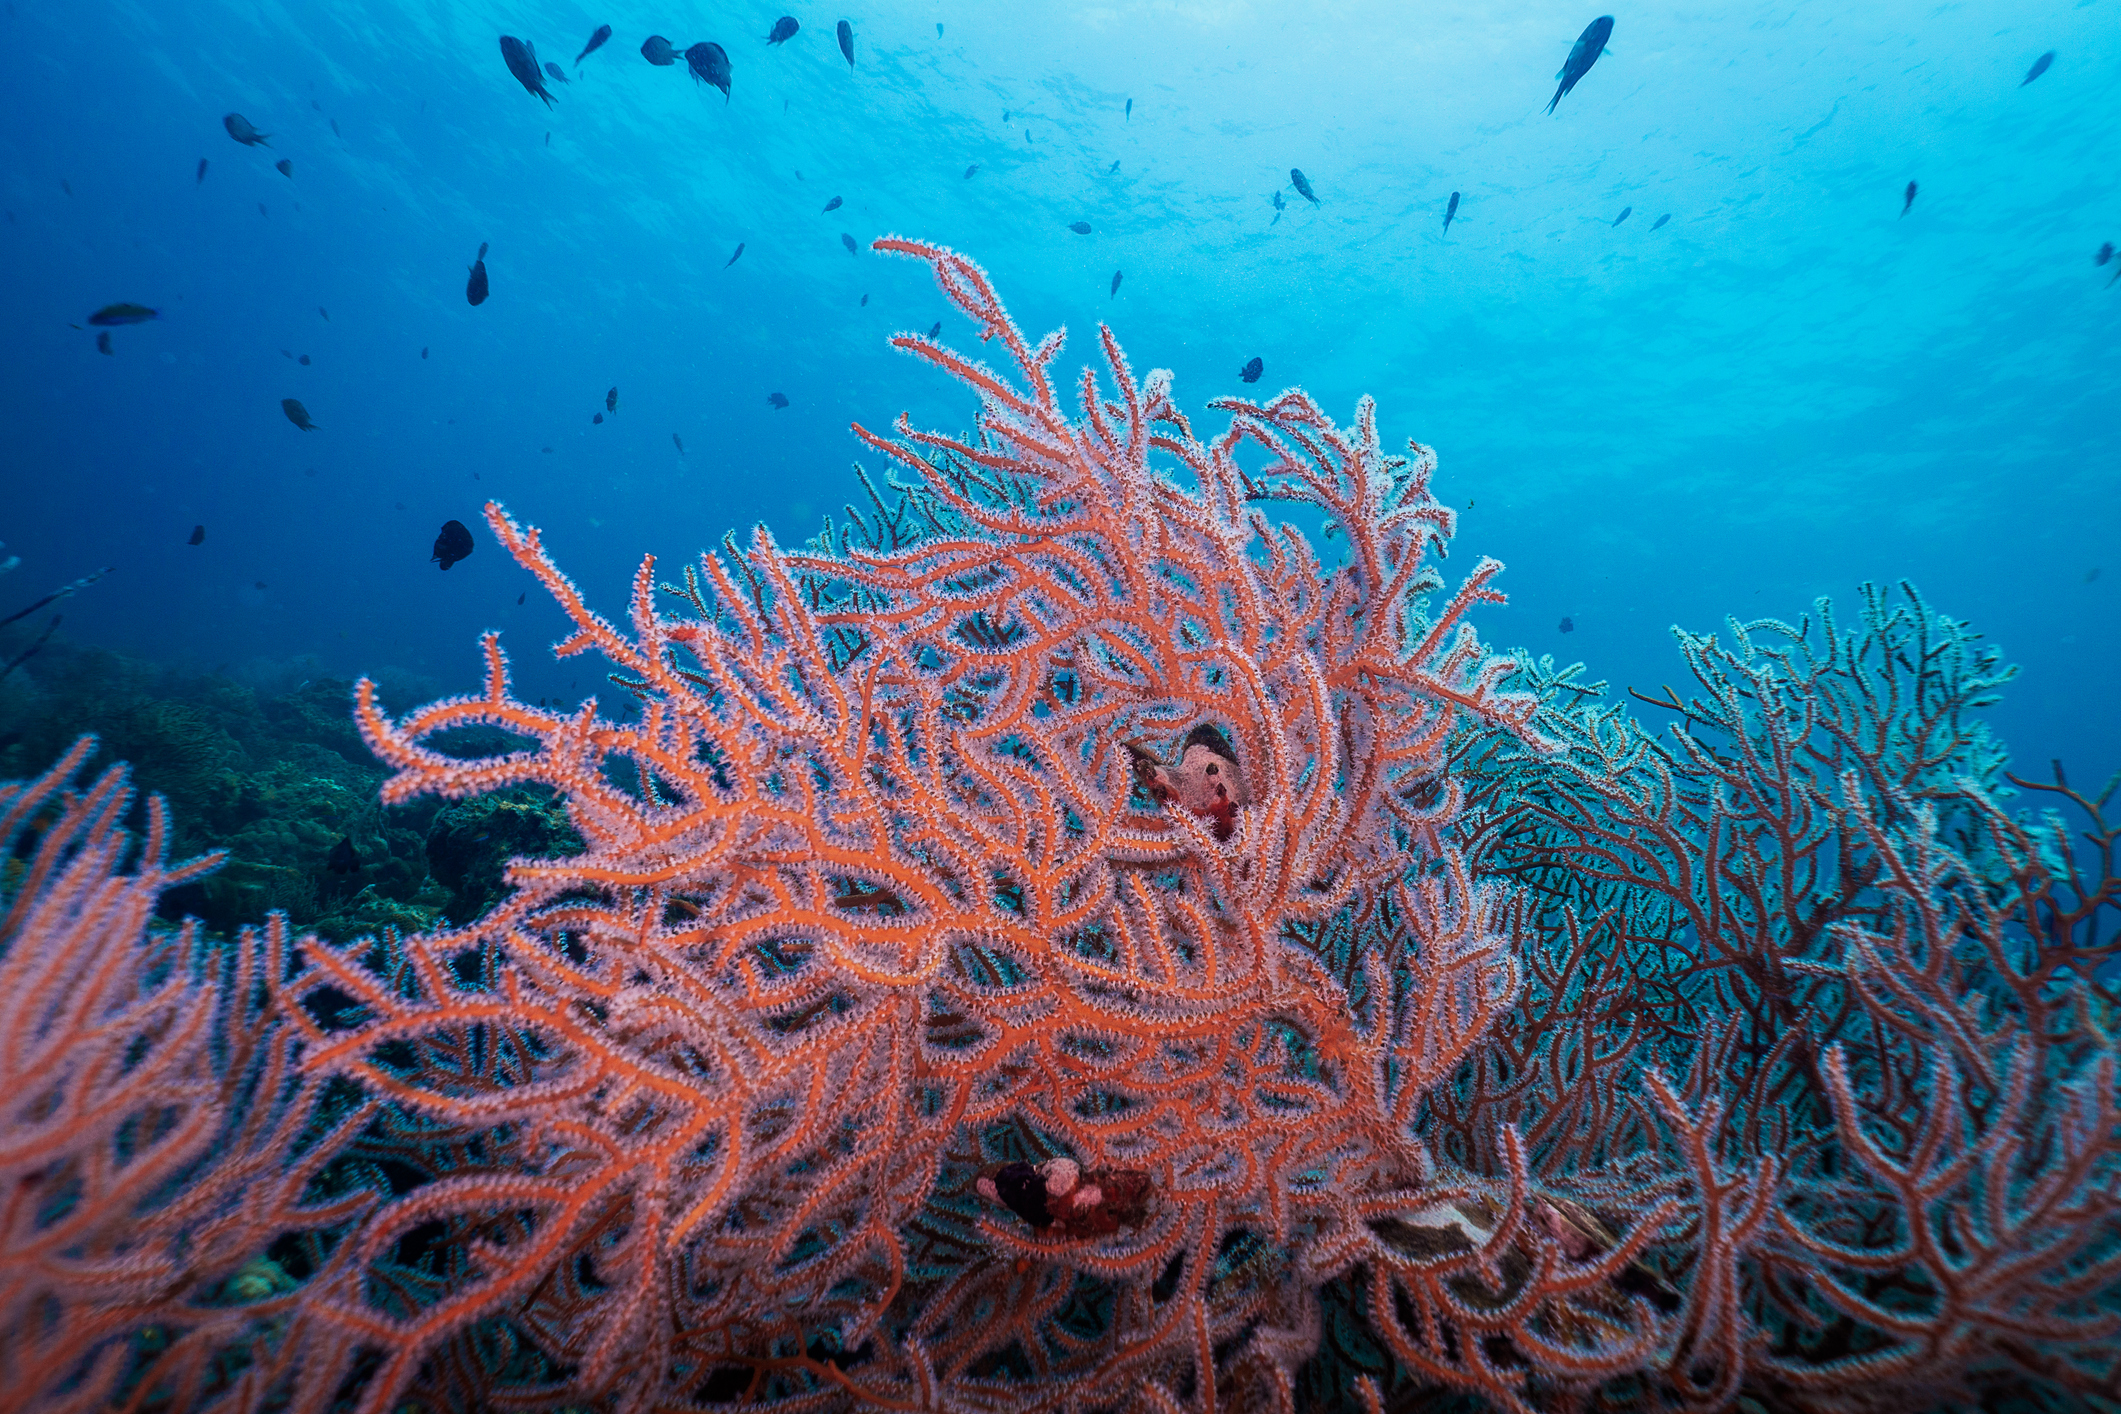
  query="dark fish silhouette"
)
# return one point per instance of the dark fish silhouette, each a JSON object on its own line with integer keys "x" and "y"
{"x": 865, "y": 299}
{"x": 1568, "y": 625}
{"x": 297, "y": 414}
{"x": 1660, "y": 220}
{"x": 1130, "y": 111}
{"x": 970, "y": 170}
{"x": 732, "y": 259}
{"x": 324, "y": 314}
{"x": 452, "y": 543}
{"x": 559, "y": 75}
{"x": 1081, "y": 228}
{"x": 240, "y": 129}
{"x": 423, "y": 351}
{"x": 261, "y": 208}
{"x": 784, "y": 30}
{"x": 103, "y": 342}
{"x": 1251, "y": 371}
{"x": 1302, "y": 185}
{"x": 522, "y": 61}
{"x": 596, "y": 42}
{"x": 779, "y": 400}
{"x": 1908, "y": 199}
{"x": 847, "y": 241}
{"x": 285, "y": 167}
{"x": 935, "y": 328}
{"x": 938, "y": 29}
{"x": 846, "y": 33}
{"x": 1115, "y": 285}
{"x": 198, "y": 535}
{"x": 343, "y": 859}
{"x": 1278, "y": 205}
{"x": 1448, "y": 211}
{"x": 658, "y": 51}
{"x": 303, "y": 360}
{"x": 1113, "y": 168}
{"x": 1589, "y": 45}
{"x": 599, "y": 418}
{"x": 833, "y": 205}
{"x": 475, "y": 287}
{"x": 1625, "y": 212}
{"x": 2105, "y": 253}
{"x": 680, "y": 441}
{"x": 709, "y": 63}
{"x": 521, "y": 597}
{"x": 114, "y": 314}
{"x": 611, "y": 400}
{"x": 2039, "y": 67}
{"x": 202, "y": 171}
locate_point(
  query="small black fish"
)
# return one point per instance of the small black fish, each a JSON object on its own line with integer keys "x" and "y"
{"x": 1625, "y": 212}
{"x": 343, "y": 859}
{"x": 1568, "y": 625}
{"x": 1109, "y": 171}
{"x": 784, "y": 30}
{"x": 832, "y": 205}
{"x": 1081, "y": 228}
{"x": 846, "y": 33}
{"x": 202, "y": 171}
{"x": 558, "y": 74}
{"x": 423, "y": 351}
{"x": 935, "y": 328}
{"x": 303, "y": 360}
{"x": 1130, "y": 111}
{"x": 261, "y": 208}
{"x": 324, "y": 314}
{"x": 452, "y": 543}
{"x": 521, "y": 597}
{"x": 1251, "y": 371}
{"x": 611, "y": 400}
{"x": 103, "y": 341}
{"x": 1005, "y": 115}
{"x": 114, "y": 314}
{"x": 658, "y": 51}
{"x": 2105, "y": 253}
{"x": 680, "y": 441}
{"x": 546, "y": 450}
{"x": 732, "y": 259}
{"x": 1448, "y": 211}
{"x": 1589, "y": 45}
{"x": 938, "y": 29}
{"x": 522, "y": 61}
{"x": 198, "y": 535}
{"x": 1115, "y": 285}
{"x": 709, "y": 63}
{"x": 1660, "y": 220}
{"x": 779, "y": 400}
{"x": 598, "y": 418}
{"x": 1303, "y": 186}
{"x": 2039, "y": 67}
{"x": 865, "y": 299}
{"x": 596, "y": 42}
{"x": 847, "y": 241}
{"x": 970, "y": 170}
{"x": 297, "y": 414}
{"x": 285, "y": 167}
{"x": 1909, "y": 199}
{"x": 240, "y": 129}
{"x": 475, "y": 287}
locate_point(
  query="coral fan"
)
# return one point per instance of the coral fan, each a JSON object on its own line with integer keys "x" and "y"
{"x": 873, "y": 876}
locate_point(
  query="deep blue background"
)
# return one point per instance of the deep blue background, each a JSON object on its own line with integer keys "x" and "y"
{"x": 1788, "y": 389}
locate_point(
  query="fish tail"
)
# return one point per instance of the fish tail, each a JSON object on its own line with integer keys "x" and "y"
{"x": 1557, "y": 96}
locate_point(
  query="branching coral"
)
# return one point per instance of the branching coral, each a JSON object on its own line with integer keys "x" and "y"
{"x": 872, "y": 875}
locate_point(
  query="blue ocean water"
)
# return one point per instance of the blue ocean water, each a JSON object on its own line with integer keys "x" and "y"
{"x": 1786, "y": 389}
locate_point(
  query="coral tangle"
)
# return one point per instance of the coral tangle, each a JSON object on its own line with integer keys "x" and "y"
{"x": 1056, "y": 943}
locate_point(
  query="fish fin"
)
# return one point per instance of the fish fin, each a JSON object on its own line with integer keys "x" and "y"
{"x": 1557, "y": 97}
{"x": 1562, "y": 72}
